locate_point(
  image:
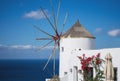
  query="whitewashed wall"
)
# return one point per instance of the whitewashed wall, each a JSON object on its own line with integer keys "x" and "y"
{"x": 115, "y": 53}
{"x": 69, "y": 44}
{"x": 73, "y": 43}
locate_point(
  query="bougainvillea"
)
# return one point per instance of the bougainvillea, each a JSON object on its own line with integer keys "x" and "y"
{"x": 86, "y": 63}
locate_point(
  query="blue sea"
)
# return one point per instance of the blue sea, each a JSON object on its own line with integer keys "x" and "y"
{"x": 26, "y": 70}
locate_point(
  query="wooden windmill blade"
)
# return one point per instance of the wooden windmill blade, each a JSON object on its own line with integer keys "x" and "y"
{"x": 54, "y": 63}
{"x": 54, "y": 38}
{"x": 55, "y": 41}
{"x": 43, "y": 31}
{"x": 54, "y": 17}
{"x": 48, "y": 61}
{"x": 53, "y": 54}
{"x": 48, "y": 19}
{"x": 58, "y": 12}
{"x": 45, "y": 45}
{"x": 64, "y": 22}
{"x": 43, "y": 38}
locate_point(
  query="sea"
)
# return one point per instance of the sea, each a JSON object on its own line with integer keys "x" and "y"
{"x": 26, "y": 70}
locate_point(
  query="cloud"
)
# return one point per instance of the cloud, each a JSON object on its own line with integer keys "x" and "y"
{"x": 2, "y": 45}
{"x": 22, "y": 46}
{"x": 25, "y": 47}
{"x": 114, "y": 33}
{"x": 16, "y": 47}
{"x": 98, "y": 30}
{"x": 38, "y": 14}
{"x": 24, "y": 52}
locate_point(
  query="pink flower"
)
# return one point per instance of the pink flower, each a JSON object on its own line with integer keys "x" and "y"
{"x": 93, "y": 56}
{"x": 98, "y": 55}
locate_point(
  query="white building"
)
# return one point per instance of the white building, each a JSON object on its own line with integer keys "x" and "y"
{"x": 76, "y": 41}
{"x": 75, "y": 38}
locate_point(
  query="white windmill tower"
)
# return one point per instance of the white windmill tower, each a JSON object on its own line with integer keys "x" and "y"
{"x": 76, "y": 38}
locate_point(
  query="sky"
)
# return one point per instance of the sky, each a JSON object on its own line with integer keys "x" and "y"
{"x": 17, "y": 18}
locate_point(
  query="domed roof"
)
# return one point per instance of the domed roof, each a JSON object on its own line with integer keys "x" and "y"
{"x": 77, "y": 30}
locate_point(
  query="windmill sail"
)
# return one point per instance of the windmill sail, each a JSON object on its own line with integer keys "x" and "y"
{"x": 54, "y": 38}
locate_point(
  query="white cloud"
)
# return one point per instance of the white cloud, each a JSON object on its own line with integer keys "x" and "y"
{"x": 25, "y": 47}
{"x": 17, "y": 46}
{"x": 114, "y": 33}
{"x": 98, "y": 30}
{"x": 24, "y": 52}
{"x": 22, "y": 46}
{"x": 38, "y": 14}
{"x": 2, "y": 46}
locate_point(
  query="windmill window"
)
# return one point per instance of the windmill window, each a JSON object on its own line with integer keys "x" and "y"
{"x": 65, "y": 73}
{"x": 62, "y": 49}
{"x": 75, "y": 67}
{"x": 71, "y": 70}
{"x": 115, "y": 74}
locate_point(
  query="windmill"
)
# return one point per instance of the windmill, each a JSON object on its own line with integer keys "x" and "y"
{"x": 52, "y": 38}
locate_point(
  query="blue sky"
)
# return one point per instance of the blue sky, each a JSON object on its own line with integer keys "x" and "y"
{"x": 17, "y": 17}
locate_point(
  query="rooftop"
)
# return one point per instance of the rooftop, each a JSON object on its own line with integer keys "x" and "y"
{"x": 77, "y": 30}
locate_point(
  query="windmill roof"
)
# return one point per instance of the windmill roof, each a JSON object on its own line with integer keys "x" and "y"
{"x": 77, "y": 30}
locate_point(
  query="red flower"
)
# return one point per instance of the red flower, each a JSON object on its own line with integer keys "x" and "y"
{"x": 98, "y": 61}
{"x": 82, "y": 67}
{"x": 89, "y": 59}
{"x": 82, "y": 62}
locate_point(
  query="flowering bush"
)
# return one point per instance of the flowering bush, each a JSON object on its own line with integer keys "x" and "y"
{"x": 86, "y": 64}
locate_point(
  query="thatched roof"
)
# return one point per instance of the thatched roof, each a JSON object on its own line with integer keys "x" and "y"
{"x": 77, "y": 30}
